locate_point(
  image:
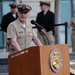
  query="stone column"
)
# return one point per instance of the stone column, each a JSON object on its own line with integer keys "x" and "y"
{"x": 57, "y": 20}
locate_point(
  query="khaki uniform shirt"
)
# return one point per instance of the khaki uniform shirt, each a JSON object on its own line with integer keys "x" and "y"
{"x": 24, "y": 36}
{"x": 72, "y": 23}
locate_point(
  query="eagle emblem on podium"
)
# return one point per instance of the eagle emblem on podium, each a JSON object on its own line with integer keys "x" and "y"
{"x": 56, "y": 60}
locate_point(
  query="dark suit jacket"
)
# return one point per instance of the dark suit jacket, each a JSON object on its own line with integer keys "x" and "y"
{"x": 47, "y": 21}
{"x": 8, "y": 18}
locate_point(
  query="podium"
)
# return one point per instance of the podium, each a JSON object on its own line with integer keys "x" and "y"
{"x": 40, "y": 61}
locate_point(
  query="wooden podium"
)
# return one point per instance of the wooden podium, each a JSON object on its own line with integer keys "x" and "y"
{"x": 36, "y": 61}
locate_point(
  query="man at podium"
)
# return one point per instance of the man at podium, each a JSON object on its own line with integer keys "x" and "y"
{"x": 19, "y": 32}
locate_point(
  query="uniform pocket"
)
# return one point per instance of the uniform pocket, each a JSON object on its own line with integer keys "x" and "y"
{"x": 21, "y": 34}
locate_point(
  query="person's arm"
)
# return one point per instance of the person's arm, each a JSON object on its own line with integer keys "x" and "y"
{"x": 15, "y": 44}
{"x": 12, "y": 37}
{"x": 35, "y": 39}
{"x": 4, "y": 23}
{"x": 38, "y": 21}
{"x": 50, "y": 25}
{"x": 43, "y": 30}
{"x": 37, "y": 42}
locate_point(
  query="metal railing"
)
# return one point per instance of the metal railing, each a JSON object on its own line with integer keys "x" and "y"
{"x": 66, "y": 33}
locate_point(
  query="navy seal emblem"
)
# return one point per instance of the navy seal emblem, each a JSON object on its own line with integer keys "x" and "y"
{"x": 56, "y": 60}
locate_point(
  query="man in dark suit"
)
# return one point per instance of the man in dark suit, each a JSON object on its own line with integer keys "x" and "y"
{"x": 9, "y": 17}
{"x": 46, "y": 19}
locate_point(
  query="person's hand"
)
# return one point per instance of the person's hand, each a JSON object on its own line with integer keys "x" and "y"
{"x": 43, "y": 30}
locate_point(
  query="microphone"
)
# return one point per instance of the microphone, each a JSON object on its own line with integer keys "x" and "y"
{"x": 33, "y": 22}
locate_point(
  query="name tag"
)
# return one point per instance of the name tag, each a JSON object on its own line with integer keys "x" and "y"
{"x": 20, "y": 32}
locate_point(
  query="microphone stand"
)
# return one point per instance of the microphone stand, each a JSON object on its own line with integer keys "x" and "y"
{"x": 45, "y": 36}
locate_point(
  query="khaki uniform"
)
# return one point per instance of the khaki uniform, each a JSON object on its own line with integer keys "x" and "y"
{"x": 44, "y": 40}
{"x": 24, "y": 36}
{"x": 72, "y": 24}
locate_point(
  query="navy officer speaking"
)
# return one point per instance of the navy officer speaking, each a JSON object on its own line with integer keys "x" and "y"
{"x": 20, "y": 32}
